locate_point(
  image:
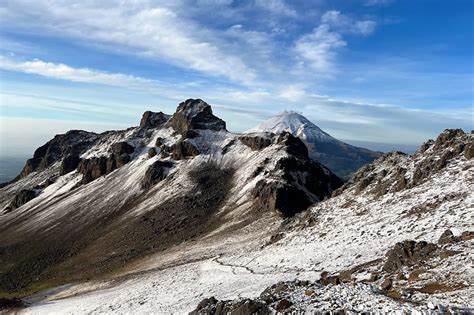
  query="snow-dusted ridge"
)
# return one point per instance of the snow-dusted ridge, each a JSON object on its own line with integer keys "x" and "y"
{"x": 342, "y": 158}
{"x": 236, "y": 251}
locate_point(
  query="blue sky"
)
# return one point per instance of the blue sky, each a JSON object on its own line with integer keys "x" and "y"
{"x": 385, "y": 71}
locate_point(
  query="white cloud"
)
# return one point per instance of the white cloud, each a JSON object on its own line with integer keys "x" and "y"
{"x": 64, "y": 72}
{"x": 293, "y": 93}
{"x": 345, "y": 24}
{"x": 140, "y": 27}
{"x": 278, "y": 7}
{"x": 318, "y": 48}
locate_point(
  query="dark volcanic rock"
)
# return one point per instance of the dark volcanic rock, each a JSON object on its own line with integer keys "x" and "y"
{"x": 469, "y": 151}
{"x": 74, "y": 142}
{"x": 21, "y": 198}
{"x": 255, "y": 142}
{"x": 156, "y": 173}
{"x": 151, "y": 152}
{"x": 181, "y": 150}
{"x": 294, "y": 145}
{"x": 280, "y": 196}
{"x": 69, "y": 164}
{"x": 93, "y": 168}
{"x": 153, "y": 120}
{"x": 212, "y": 306}
{"x": 195, "y": 114}
{"x": 10, "y": 304}
{"x": 300, "y": 183}
{"x": 122, "y": 147}
{"x": 408, "y": 253}
{"x": 448, "y": 237}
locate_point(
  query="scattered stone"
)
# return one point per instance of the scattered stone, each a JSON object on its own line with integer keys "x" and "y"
{"x": 283, "y": 305}
{"x": 309, "y": 292}
{"x": 386, "y": 284}
{"x": 327, "y": 279}
{"x": 212, "y": 306}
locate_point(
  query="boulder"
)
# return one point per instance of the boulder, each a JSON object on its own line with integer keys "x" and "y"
{"x": 469, "y": 151}
{"x": 408, "y": 253}
{"x": 195, "y": 114}
{"x": 181, "y": 150}
{"x": 153, "y": 120}
{"x": 448, "y": 238}
{"x": 237, "y": 307}
{"x": 151, "y": 152}
{"x": 156, "y": 173}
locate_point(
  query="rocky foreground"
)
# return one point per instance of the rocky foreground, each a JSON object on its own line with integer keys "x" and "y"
{"x": 179, "y": 215}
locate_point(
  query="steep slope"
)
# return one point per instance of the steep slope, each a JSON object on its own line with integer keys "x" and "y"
{"x": 342, "y": 158}
{"x": 375, "y": 246}
{"x": 84, "y": 208}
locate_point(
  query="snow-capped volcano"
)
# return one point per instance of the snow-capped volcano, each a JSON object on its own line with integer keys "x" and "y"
{"x": 296, "y": 124}
{"x": 342, "y": 158}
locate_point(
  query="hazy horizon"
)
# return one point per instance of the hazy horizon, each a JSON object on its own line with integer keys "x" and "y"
{"x": 363, "y": 70}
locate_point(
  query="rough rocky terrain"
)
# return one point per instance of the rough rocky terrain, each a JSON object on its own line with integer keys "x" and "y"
{"x": 206, "y": 225}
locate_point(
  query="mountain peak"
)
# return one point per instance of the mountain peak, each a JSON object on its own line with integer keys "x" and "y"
{"x": 294, "y": 123}
{"x": 195, "y": 114}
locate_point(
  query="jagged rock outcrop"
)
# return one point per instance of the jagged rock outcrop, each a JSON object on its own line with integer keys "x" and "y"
{"x": 153, "y": 120}
{"x": 341, "y": 158}
{"x": 21, "y": 198}
{"x": 180, "y": 150}
{"x": 296, "y": 182}
{"x": 156, "y": 173}
{"x": 408, "y": 253}
{"x": 211, "y": 306}
{"x": 96, "y": 167}
{"x": 257, "y": 142}
{"x": 195, "y": 114}
{"x": 92, "y": 168}
{"x": 69, "y": 164}
{"x": 396, "y": 171}
{"x": 73, "y": 142}
{"x": 151, "y": 152}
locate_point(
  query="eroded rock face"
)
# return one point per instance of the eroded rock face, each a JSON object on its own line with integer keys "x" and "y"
{"x": 153, "y": 120}
{"x": 294, "y": 145}
{"x": 74, "y": 143}
{"x": 92, "y": 169}
{"x": 122, "y": 147}
{"x": 256, "y": 142}
{"x": 212, "y": 306}
{"x": 21, "y": 198}
{"x": 156, "y": 173}
{"x": 195, "y": 114}
{"x": 181, "y": 150}
{"x": 408, "y": 253}
{"x": 69, "y": 164}
{"x": 295, "y": 183}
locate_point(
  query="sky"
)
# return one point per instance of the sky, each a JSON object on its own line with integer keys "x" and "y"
{"x": 391, "y": 72}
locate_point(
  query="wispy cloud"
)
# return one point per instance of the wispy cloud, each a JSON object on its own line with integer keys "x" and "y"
{"x": 64, "y": 72}
{"x": 279, "y": 7}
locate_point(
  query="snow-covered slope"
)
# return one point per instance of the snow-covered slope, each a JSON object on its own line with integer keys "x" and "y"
{"x": 81, "y": 210}
{"x": 342, "y": 158}
{"x": 331, "y": 257}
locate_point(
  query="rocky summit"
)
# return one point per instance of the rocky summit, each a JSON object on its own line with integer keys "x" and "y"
{"x": 180, "y": 215}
